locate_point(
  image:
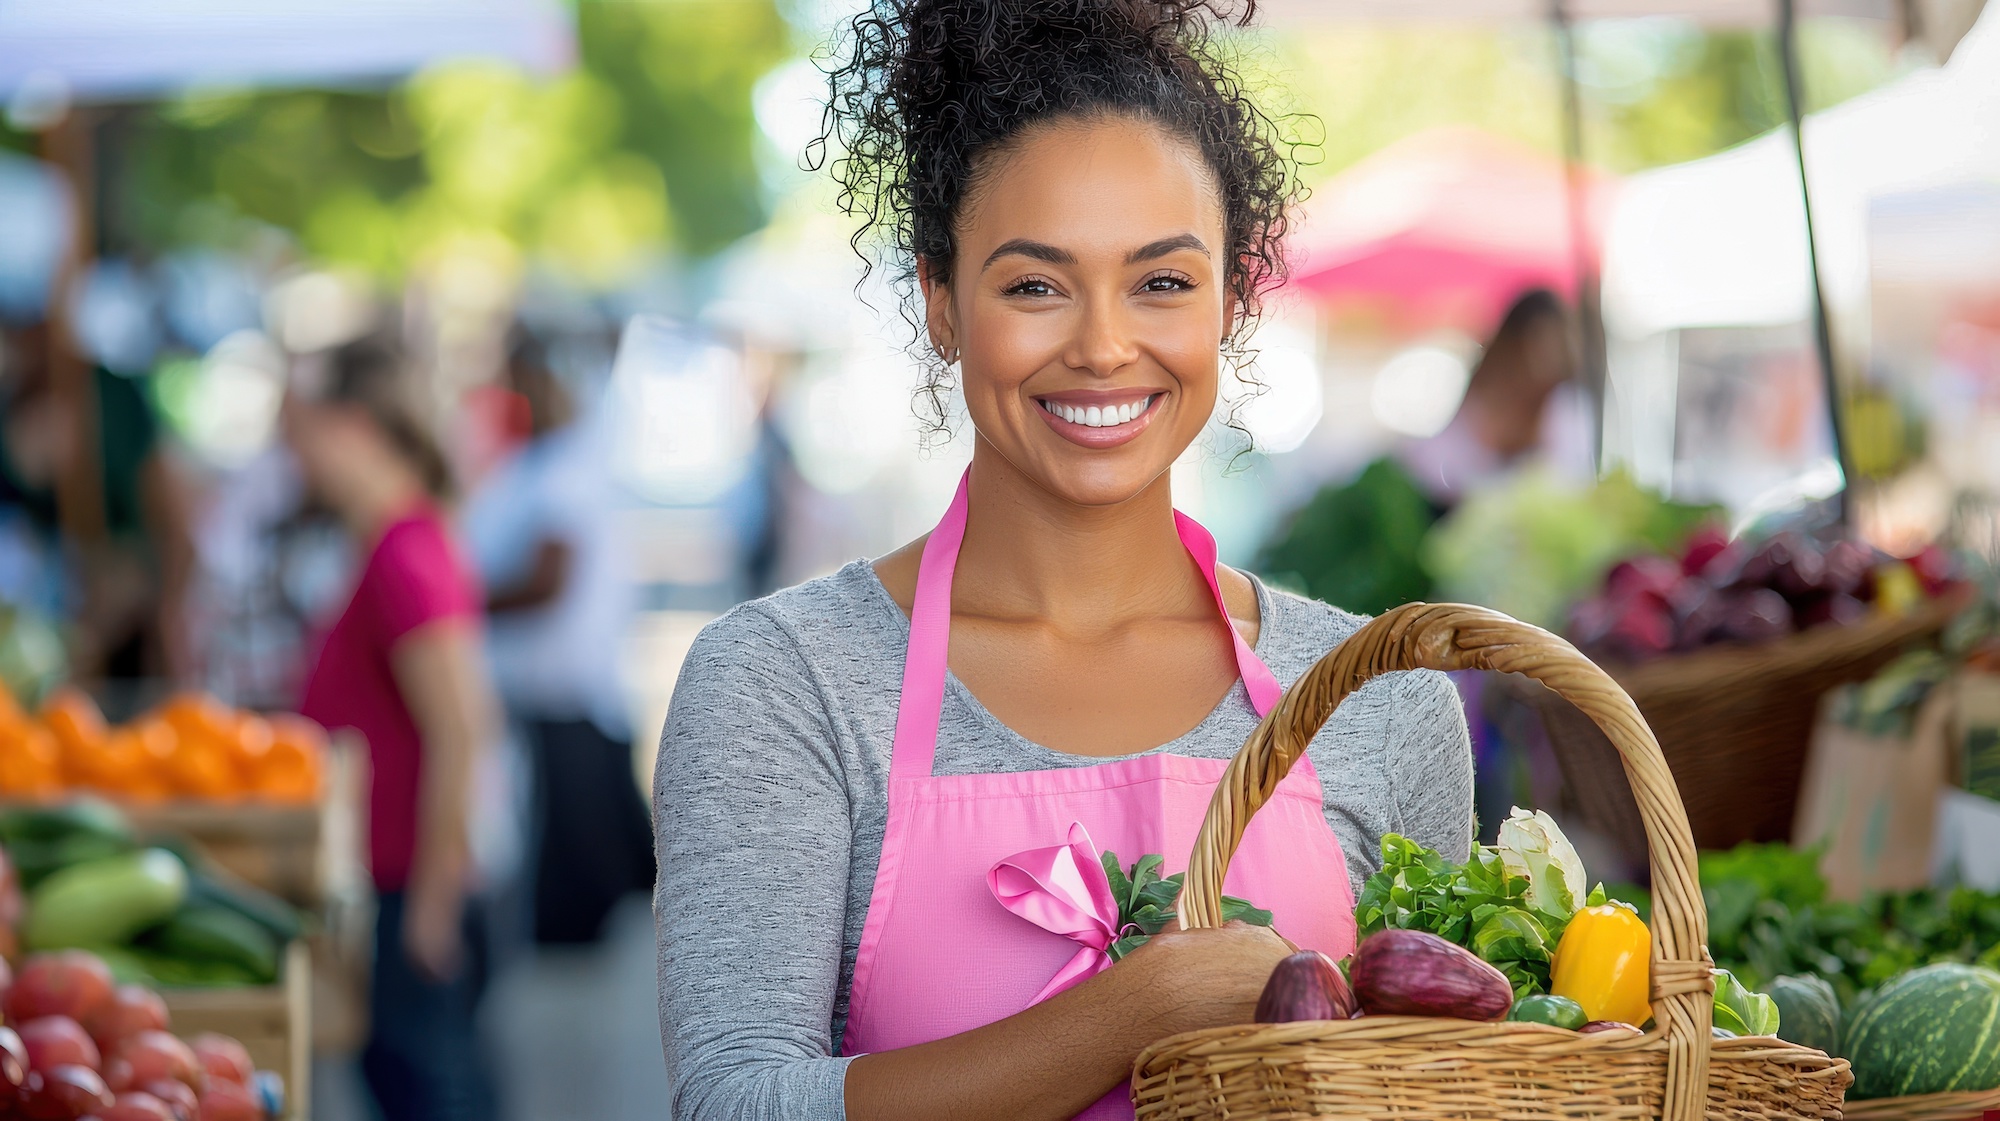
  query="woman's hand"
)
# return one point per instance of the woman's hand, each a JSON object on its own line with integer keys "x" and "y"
{"x": 433, "y": 939}
{"x": 1212, "y": 977}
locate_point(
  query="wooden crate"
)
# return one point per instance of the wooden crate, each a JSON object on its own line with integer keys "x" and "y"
{"x": 273, "y": 1021}
{"x": 278, "y": 848}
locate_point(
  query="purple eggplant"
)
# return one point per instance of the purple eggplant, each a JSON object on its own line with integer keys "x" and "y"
{"x": 1305, "y": 986}
{"x": 1411, "y": 973}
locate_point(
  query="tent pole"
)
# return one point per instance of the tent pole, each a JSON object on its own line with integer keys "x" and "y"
{"x": 1589, "y": 300}
{"x": 1788, "y": 58}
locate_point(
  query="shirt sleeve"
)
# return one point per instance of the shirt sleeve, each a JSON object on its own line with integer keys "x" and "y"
{"x": 1430, "y": 764}
{"x": 418, "y": 579}
{"x": 753, "y": 839}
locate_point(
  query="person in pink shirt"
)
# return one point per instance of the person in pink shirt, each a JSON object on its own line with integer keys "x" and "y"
{"x": 399, "y": 663}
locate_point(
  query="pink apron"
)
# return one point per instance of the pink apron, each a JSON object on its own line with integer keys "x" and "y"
{"x": 940, "y": 954}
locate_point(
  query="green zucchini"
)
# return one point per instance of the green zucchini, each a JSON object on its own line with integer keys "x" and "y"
{"x": 204, "y": 933}
{"x": 105, "y": 901}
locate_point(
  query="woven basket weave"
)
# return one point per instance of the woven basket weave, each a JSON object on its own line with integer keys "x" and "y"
{"x": 1446, "y": 1070}
{"x": 1969, "y": 1106}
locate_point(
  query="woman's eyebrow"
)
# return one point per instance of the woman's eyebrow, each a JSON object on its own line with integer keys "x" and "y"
{"x": 1040, "y": 251}
{"x": 1157, "y": 249}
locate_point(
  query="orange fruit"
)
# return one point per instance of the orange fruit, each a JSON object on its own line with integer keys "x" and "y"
{"x": 202, "y": 768}
{"x": 108, "y": 764}
{"x": 291, "y": 772}
{"x": 251, "y": 740}
{"x": 198, "y": 714}
{"x": 31, "y": 765}
{"x": 74, "y": 718}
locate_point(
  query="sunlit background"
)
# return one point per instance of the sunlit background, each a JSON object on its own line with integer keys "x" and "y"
{"x": 197, "y": 191}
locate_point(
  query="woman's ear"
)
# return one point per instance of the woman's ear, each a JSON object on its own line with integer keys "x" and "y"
{"x": 940, "y": 318}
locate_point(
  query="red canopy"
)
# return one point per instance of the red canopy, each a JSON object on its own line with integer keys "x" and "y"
{"x": 1445, "y": 228}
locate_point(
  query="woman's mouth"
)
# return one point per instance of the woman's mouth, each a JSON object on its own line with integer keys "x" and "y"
{"x": 1103, "y": 423}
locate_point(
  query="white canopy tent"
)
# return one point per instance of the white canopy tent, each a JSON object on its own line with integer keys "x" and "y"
{"x": 115, "y": 50}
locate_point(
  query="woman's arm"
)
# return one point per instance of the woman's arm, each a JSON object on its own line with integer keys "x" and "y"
{"x": 1053, "y": 1060}
{"x": 438, "y": 671}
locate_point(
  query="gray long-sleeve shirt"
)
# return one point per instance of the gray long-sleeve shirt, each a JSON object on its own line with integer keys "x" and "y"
{"x": 771, "y": 798}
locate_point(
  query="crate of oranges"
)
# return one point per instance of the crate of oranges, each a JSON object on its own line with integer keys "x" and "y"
{"x": 248, "y": 789}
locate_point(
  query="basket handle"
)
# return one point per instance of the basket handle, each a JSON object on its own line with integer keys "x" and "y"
{"x": 1451, "y": 636}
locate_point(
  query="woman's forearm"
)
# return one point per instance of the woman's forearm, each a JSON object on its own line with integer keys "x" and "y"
{"x": 1054, "y": 1059}
{"x": 437, "y": 669}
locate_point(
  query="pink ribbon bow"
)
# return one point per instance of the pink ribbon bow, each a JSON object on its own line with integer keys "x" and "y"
{"x": 1063, "y": 890}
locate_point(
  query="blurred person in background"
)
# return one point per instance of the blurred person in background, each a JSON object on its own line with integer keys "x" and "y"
{"x": 137, "y": 558}
{"x": 1522, "y": 404}
{"x": 401, "y": 664}
{"x": 541, "y": 529}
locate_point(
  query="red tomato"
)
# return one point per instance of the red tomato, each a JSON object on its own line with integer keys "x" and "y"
{"x": 178, "y": 1097}
{"x": 153, "y": 1056}
{"x": 13, "y": 1062}
{"x": 224, "y": 1058}
{"x": 131, "y": 1010}
{"x": 64, "y": 1093}
{"x": 134, "y": 1105}
{"x": 226, "y": 1101}
{"x": 54, "y": 1041}
{"x": 73, "y": 983}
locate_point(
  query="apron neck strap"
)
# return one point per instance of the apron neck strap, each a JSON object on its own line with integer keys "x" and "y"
{"x": 930, "y": 636}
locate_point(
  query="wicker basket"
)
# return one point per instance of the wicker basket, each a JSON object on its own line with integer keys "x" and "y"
{"x": 1406, "y": 1067}
{"x": 1927, "y": 1107}
{"x": 1733, "y": 723}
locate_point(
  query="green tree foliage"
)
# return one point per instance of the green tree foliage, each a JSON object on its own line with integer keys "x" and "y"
{"x": 650, "y": 143}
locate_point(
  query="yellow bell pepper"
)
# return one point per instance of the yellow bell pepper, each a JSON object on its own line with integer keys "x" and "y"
{"x": 1603, "y": 963}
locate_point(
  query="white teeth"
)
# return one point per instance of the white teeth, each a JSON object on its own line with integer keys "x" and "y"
{"x": 1100, "y": 416}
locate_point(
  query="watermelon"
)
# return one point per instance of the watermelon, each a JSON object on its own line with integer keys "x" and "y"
{"x": 1808, "y": 1012}
{"x": 1930, "y": 1031}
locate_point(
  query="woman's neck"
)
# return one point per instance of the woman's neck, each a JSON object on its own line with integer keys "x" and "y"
{"x": 370, "y": 502}
{"x": 1030, "y": 553}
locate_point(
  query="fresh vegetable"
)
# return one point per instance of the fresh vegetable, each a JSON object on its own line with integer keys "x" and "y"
{"x": 1933, "y": 1030}
{"x": 217, "y": 935}
{"x": 1357, "y": 544}
{"x": 1478, "y": 905}
{"x": 1556, "y": 1011}
{"x": 13, "y": 1061}
{"x": 131, "y": 1010}
{"x": 154, "y": 1056}
{"x": 1146, "y": 902}
{"x": 1414, "y": 973}
{"x": 53, "y": 1041}
{"x": 227, "y": 1059}
{"x": 1533, "y": 847}
{"x": 63, "y": 1093}
{"x": 105, "y": 901}
{"x": 71, "y": 983}
{"x": 178, "y": 1097}
{"x": 135, "y": 1105}
{"x": 1596, "y": 1026}
{"x": 41, "y": 840}
{"x": 227, "y": 1101}
{"x": 1741, "y": 1010}
{"x": 1305, "y": 986}
{"x": 1604, "y": 963}
{"x": 1808, "y": 1012}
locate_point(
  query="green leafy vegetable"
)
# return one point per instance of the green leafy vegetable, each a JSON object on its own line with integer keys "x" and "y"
{"x": 1741, "y": 1010}
{"x": 1146, "y": 901}
{"x": 1479, "y": 905}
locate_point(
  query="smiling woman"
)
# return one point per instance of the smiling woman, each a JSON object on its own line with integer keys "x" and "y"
{"x": 886, "y": 798}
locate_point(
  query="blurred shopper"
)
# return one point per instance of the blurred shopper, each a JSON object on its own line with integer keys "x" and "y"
{"x": 1522, "y": 404}
{"x": 542, "y": 533}
{"x": 401, "y": 664}
{"x": 126, "y": 503}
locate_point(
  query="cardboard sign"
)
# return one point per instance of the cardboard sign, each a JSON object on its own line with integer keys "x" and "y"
{"x": 1871, "y": 802}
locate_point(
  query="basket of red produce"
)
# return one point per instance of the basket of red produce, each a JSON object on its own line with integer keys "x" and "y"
{"x": 1727, "y": 651}
{"x": 1430, "y": 1028}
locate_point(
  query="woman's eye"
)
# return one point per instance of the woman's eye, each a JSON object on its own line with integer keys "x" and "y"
{"x": 1167, "y": 284}
{"x": 1030, "y": 287}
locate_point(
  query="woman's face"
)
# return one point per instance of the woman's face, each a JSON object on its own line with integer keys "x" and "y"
{"x": 1088, "y": 305}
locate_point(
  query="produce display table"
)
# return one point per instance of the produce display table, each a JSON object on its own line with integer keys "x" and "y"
{"x": 273, "y": 1021}
{"x": 1734, "y": 723}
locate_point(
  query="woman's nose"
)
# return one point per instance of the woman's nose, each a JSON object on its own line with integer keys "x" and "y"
{"x": 1104, "y": 341}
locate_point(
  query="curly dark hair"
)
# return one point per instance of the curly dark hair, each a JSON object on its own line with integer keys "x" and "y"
{"x": 923, "y": 92}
